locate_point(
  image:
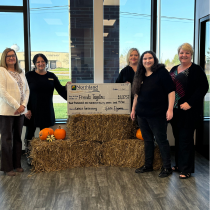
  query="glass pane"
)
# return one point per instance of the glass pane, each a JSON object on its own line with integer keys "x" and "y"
{"x": 81, "y": 23}
{"x": 49, "y": 24}
{"x": 8, "y": 39}
{"x": 111, "y": 40}
{"x": 121, "y": 32}
{"x": 207, "y": 69}
{"x": 135, "y": 20}
{"x": 12, "y": 3}
{"x": 177, "y": 27}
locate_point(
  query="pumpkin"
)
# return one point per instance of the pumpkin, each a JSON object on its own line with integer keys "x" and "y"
{"x": 139, "y": 134}
{"x": 45, "y": 132}
{"x": 60, "y": 133}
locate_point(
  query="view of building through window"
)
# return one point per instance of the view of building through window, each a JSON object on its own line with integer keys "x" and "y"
{"x": 50, "y": 35}
{"x": 81, "y": 35}
{"x": 111, "y": 40}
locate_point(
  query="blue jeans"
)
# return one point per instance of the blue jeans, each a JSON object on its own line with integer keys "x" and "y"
{"x": 152, "y": 129}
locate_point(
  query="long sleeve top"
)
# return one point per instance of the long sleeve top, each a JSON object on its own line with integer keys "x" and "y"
{"x": 195, "y": 89}
{"x": 41, "y": 98}
{"x": 10, "y": 95}
{"x": 153, "y": 95}
{"x": 126, "y": 75}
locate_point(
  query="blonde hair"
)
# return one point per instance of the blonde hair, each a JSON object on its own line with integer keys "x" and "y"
{"x": 187, "y": 47}
{"x": 3, "y": 60}
{"x": 129, "y": 53}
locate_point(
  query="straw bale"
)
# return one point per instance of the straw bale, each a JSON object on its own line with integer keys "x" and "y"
{"x": 63, "y": 154}
{"x": 100, "y": 127}
{"x": 127, "y": 153}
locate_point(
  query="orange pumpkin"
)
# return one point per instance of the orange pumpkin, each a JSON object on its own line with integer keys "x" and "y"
{"x": 60, "y": 133}
{"x": 45, "y": 132}
{"x": 139, "y": 134}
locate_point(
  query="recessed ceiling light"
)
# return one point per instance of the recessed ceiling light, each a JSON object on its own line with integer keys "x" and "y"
{"x": 111, "y": 2}
{"x": 106, "y": 34}
{"x": 109, "y": 22}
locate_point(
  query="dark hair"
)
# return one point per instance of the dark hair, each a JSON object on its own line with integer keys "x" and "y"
{"x": 39, "y": 55}
{"x": 139, "y": 75}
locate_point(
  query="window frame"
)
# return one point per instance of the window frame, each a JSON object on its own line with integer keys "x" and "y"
{"x": 201, "y": 48}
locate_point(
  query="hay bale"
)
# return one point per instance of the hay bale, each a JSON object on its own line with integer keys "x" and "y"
{"x": 100, "y": 127}
{"x": 63, "y": 154}
{"x": 127, "y": 153}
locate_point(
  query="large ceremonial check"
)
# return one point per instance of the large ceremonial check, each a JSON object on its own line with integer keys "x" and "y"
{"x": 107, "y": 98}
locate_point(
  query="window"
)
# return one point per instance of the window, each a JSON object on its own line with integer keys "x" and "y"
{"x": 176, "y": 28}
{"x": 63, "y": 31}
{"x": 13, "y": 2}
{"x": 111, "y": 40}
{"x": 9, "y": 40}
{"x": 81, "y": 22}
{"x": 49, "y": 25}
{"x": 135, "y": 20}
{"x": 207, "y": 68}
{"x": 125, "y": 26}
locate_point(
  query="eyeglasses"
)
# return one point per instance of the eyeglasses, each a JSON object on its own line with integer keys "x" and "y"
{"x": 11, "y": 56}
{"x": 40, "y": 62}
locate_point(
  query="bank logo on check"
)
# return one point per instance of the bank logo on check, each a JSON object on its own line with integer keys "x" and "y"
{"x": 73, "y": 87}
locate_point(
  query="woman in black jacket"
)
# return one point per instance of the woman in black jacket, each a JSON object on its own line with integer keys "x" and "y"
{"x": 40, "y": 106}
{"x": 191, "y": 87}
{"x": 126, "y": 75}
{"x": 153, "y": 103}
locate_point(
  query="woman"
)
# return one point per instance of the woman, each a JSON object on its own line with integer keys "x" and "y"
{"x": 191, "y": 87}
{"x": 127, "y": 73}
{"x": 40, "y": 106}
{"x": 14, "y": 94}
{"x": 153, "y": 103}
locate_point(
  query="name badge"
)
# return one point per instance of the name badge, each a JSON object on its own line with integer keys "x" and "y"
{"x": 50, "y": 79}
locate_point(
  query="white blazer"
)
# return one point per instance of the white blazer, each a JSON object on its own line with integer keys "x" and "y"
{"x": 10, "y": 93}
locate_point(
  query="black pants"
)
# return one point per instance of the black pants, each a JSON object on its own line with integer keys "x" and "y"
{"x": 11, "y": 143}
{"x": 155, "y": 129}
{"x": 184, "y": 144}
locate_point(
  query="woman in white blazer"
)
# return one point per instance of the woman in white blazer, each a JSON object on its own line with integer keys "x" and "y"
{"x": 14, "y": 94}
